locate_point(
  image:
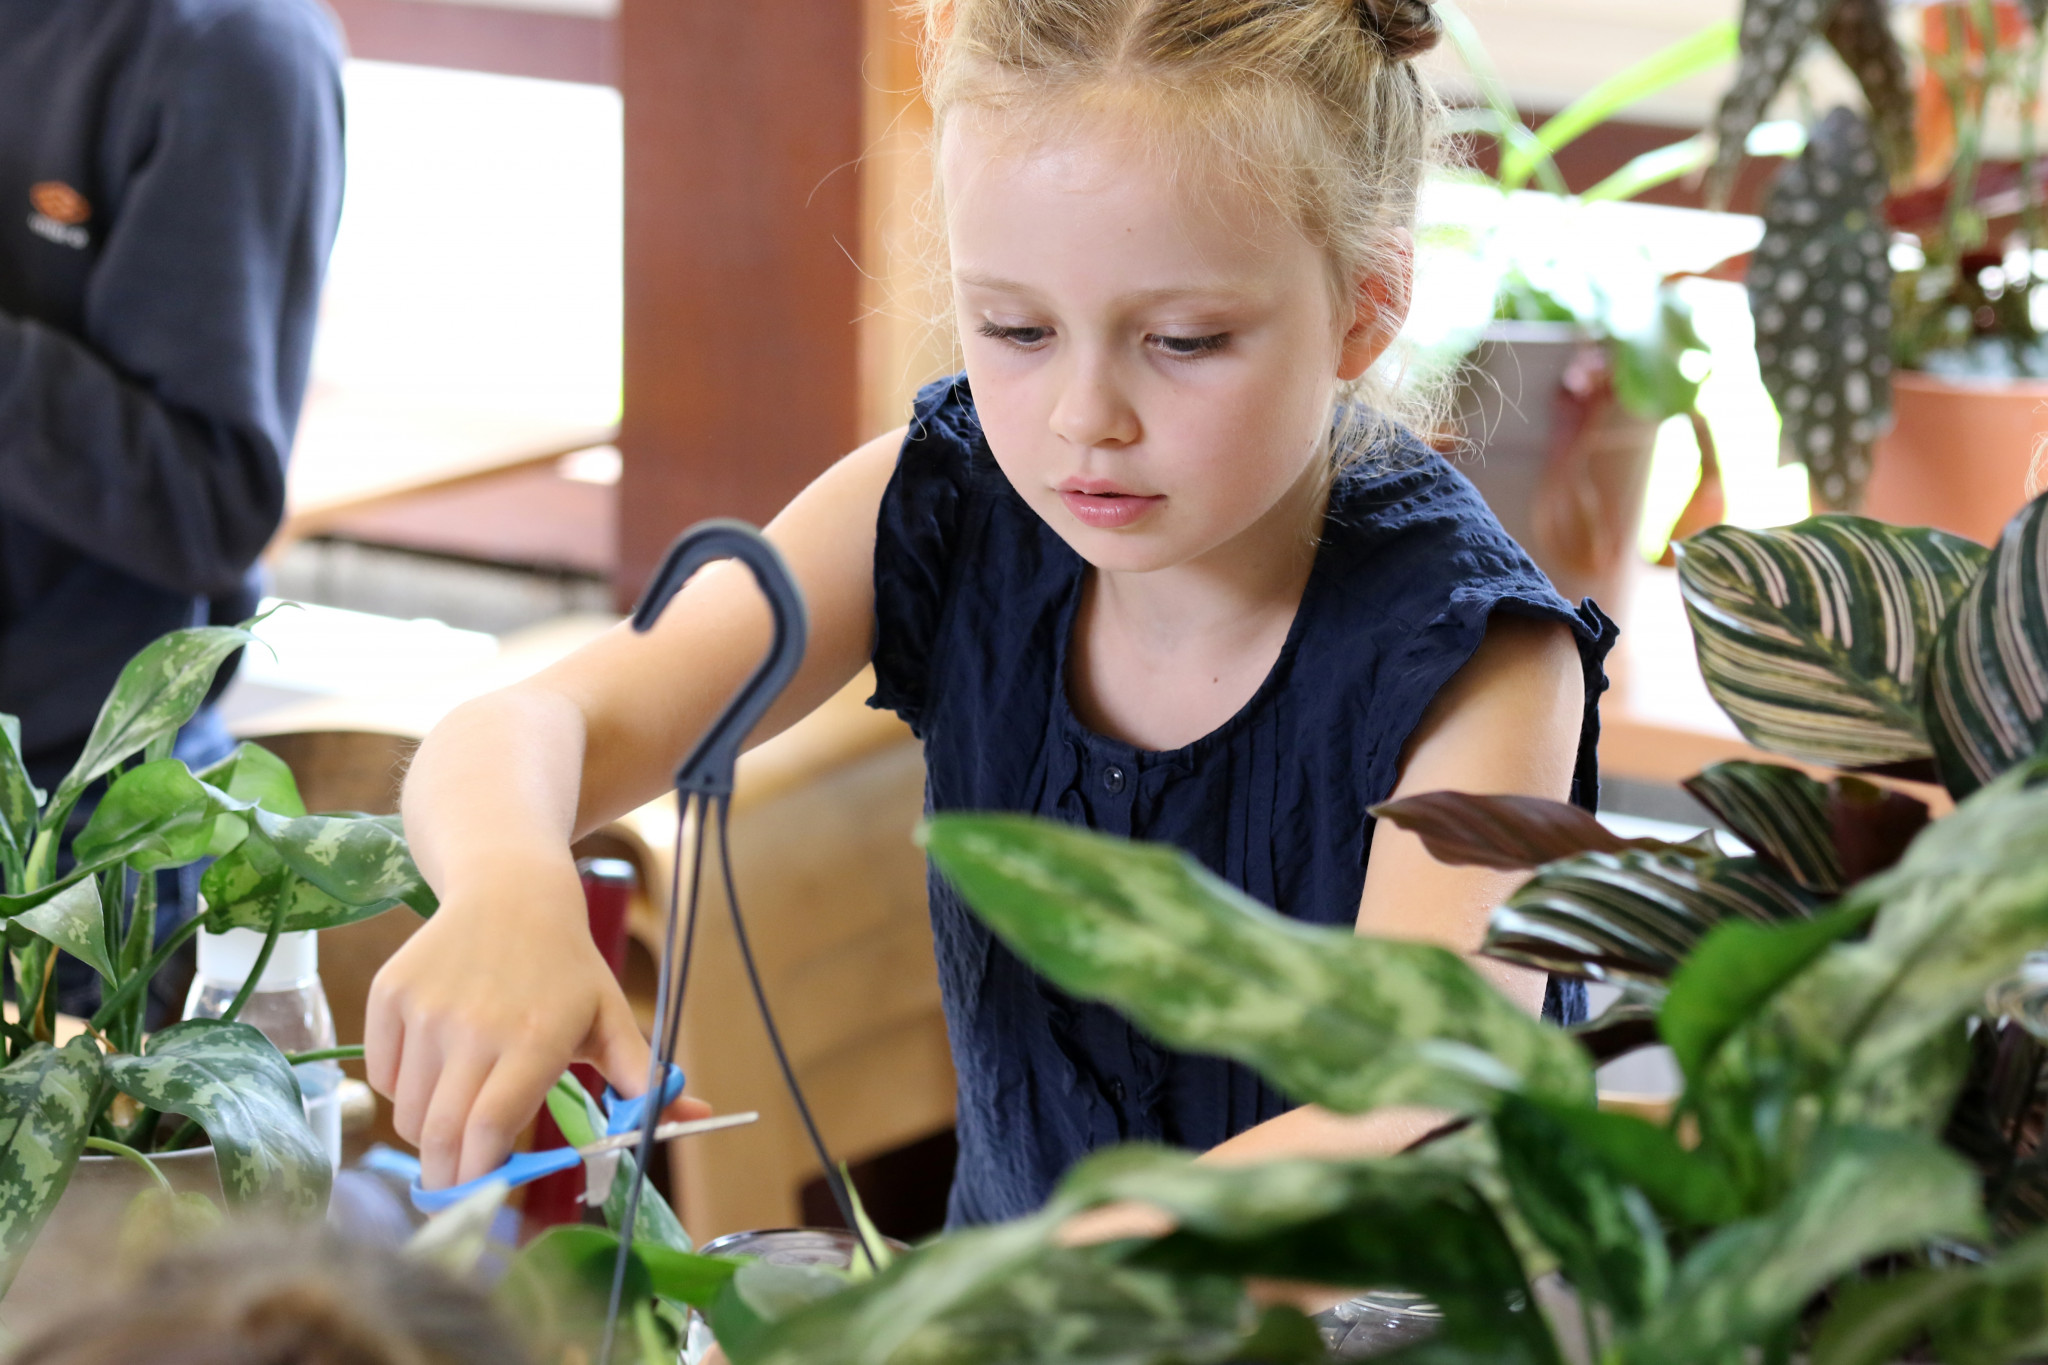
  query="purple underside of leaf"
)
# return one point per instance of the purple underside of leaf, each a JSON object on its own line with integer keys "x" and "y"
{"x": 1871, "y": 826}
{"x": 1512, "y": 833}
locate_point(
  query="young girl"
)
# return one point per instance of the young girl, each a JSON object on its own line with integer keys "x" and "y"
{"x": 1147, "y": 566}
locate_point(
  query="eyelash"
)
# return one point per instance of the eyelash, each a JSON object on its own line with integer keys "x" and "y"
{"x": 1181, "y": 348}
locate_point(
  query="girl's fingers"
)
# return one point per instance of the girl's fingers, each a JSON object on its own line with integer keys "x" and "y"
{"x": 444, "y": 1131}
{"x": 383, "y": 1041}
{"x": 501, "y": 1107}
{"x": 615, "y": 1046}
{"x": 413, "y": 1089}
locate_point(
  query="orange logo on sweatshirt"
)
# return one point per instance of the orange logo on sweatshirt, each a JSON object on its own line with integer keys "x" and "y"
{"x": 60, "y": 203}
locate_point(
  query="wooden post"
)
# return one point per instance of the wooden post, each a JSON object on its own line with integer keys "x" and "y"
{"x": 743, "y": 128}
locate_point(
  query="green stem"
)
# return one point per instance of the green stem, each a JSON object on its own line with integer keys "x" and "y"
{"x": 126, "y": 990}
{"x": 349, "y": 1052}
{"x": 177, "y": 1140}
{"x": 262, "y": 964}
{"x": 122, "y": 1149}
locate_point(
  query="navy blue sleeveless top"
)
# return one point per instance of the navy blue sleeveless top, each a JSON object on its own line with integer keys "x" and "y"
{"x": 975, "y": 599}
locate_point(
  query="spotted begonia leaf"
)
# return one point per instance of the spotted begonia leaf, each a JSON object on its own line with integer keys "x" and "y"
{"x": 238, "y": 1087}
{"x": 1987, "y": 698}
{"x": 1820, "y": 292}
{"x": 74, "y": 921}
{"x": 1773, "y": 37}
{"x": 1327, "y": 1016}
{"x": 1861, "y": 34}
{"x": 47, "y": 1097}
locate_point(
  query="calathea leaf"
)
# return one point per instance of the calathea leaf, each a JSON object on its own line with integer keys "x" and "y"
{"x": 1780, "y": 812}
{"x": 1820, "y": 291}
{"x": 1773, "y": 37}
{"x": 1634, "y": 915}
{"x": 1998, "y": 1120}
{"x": 1861, "y": 34}
{"x": 1814, "y": 638}
{"x": 1327, "y": 1016}
{"x": 1872, "y": 827}
{"x": 74, "y": 920}
{"x": 47, "y": 1098}
{"x": 20, "y": 801}
{"x": 1987, "y": 698}
{"x": 1866, "y": 1192}
{"x": 1508, "y": 832}
{"x": 157, "y": 692}
{"x": 238, "y": 1087}
{"x": 156, "y": 815}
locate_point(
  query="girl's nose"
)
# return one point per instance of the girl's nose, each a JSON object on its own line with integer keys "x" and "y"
{"x": 1092, "y": 410}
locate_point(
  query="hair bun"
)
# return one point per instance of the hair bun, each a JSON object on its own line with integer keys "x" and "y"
{"x": 1406, "y": 28}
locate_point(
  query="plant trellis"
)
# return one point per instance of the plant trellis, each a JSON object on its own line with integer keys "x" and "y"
{"x": 1820, "y": 291}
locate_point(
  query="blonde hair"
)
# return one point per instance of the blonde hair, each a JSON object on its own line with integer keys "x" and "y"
{"x": 1313, "y": 104}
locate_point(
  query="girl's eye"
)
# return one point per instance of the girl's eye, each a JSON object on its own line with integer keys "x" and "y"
{"x": 1025, "y": 337}
{"x": 1191, "y": 346}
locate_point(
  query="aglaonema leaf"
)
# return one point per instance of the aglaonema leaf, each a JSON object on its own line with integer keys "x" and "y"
{"x": 156, "y": 815}
{"x": 328, "y": 870}
{"x": 1987, "y": 699}
{"x": 74, "y": 921}
{"x": 157, "y": 692}
{"x": 254, "y": 774}
{"x": 236, "y": 1085}
{"x": 1327, "y": 1016}
{"x": 1634, "y": 915}
{"x": 1866, "y": 1192}
{"x": 20, "y": 801}
{"x": 1815, "y": 637}
{"x": 47, "y": 1099}
{"x": 1773, "y": 36}
{"x": 655, "y": 1224}
{"x": 1994, "y": 1311}
{"x": 1507, "y": 832}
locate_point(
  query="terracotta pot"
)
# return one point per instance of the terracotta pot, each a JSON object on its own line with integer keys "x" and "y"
{"x": 1959, "y": 455}
{"x": 1561, "y": 463}
{"x": 75, "y": 1251}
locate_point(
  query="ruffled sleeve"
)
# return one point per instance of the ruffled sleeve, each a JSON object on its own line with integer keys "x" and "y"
{"x": 917, "y": 546}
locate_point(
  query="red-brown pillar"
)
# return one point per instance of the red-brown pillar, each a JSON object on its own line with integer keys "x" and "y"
{"x": 743, "y": 134}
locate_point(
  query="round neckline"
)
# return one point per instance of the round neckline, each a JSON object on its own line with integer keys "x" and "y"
{"x": 1146, "y": 759}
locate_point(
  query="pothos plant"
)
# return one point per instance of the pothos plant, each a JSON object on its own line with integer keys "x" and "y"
{"x": 1852, "y": 1171}
{"x": 1912, "y": 168}
{"x": 276, "y": 869}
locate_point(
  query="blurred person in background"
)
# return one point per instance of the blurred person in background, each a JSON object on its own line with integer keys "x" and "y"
{"x": 170, "y": 183}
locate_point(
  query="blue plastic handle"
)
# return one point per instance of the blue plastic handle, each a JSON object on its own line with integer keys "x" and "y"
{"x": 626, "y": 1116}
{"x": 519, "y": 1170}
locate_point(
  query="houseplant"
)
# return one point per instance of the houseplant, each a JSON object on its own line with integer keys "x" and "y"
{"x": 1853, "y": 1170}
{"x": 1570, "y": 348}
{"x": 112, "y": 1090}
{"x": 1949, "y": 344}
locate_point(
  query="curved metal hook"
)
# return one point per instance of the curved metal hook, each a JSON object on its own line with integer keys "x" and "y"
{"x": 709, "y": 766}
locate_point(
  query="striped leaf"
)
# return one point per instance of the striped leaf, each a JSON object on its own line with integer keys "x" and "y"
{"x": 1633, "y": 915}
{"x": 1814, "y": 638}
{"x": 1820, "y": 292}
{"x": 1778, "y": 811}
{"x": 1987, "y": 699}
{"x": 47, "y": 1098}
{"x": 1773, "y": 37}
{"x": 1507, "y": 832}
{"x": 1325, "y": 1015}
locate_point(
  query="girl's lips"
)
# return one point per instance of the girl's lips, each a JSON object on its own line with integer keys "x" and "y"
{"x": 1108, "y": 511}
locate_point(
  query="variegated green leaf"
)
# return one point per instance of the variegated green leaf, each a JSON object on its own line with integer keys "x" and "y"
{"x": 1820, "y": 292}
{"x": 156, "y": 815}
{"x": 47, "y": 1098}
{"x": 1633, "y": 915}
{"x": 1327, "y": 1016}
{"x": 1987, "y": 700}
{"x": 158, "y": 691}
{"x": 238, "y": 1087}
{"x": 20, "y": 801}
{"x": 1994, "y": 1310}
{"x": 1778, "y": 811}
{"x": 75, "y": 921}
{"x": 255, "y": 775}
{"x": 1814, "y": 638}
{"x": 1861, "y": 34}
{"x": 329, "y": 870}
{"x": 582, "y": 1123}
{"x": 1773, "y": 37}
{"x": 1865, "y": 1193}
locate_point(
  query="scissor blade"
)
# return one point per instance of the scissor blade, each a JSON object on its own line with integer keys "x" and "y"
{"x": 685, "y": 1128}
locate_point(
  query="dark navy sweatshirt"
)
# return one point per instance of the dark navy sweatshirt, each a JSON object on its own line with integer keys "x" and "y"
{"x": 170, "y": 180}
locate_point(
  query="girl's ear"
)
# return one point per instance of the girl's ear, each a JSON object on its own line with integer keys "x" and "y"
{"x": 1379, "y": 299}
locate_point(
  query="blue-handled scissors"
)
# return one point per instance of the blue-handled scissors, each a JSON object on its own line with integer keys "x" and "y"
{"x": 623, "y": 1119}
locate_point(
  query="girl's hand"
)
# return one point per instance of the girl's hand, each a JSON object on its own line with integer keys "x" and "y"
{"x": 473, "y": 1019}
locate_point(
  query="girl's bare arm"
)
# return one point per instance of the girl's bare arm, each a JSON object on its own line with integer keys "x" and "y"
{"x": 470, "y": 1022}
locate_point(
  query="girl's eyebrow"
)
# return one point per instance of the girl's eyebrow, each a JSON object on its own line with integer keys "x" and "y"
{"x": 1208, "y": 293}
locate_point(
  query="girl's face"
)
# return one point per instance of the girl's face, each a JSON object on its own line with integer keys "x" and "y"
{"x": 1153, "y": 354}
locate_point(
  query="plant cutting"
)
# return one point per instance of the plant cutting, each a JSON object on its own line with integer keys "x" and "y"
{"x": 1937, "y": 175}
{"x": 1852, "y": 1171}
{"x": 113, "y": 1089}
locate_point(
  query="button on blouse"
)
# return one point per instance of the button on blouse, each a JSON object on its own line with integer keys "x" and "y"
{"x": 975, "y": 600}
